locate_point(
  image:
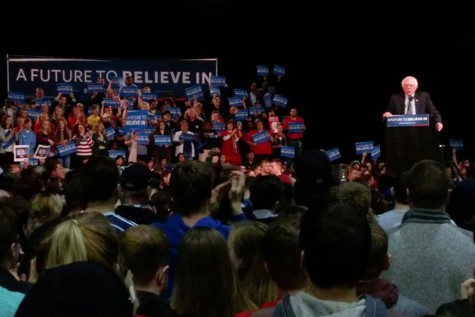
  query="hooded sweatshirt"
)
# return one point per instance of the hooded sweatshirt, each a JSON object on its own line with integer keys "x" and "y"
{"x": 305, "y": 305}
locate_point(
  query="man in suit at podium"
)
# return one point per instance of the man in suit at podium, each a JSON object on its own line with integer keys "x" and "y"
{"x": 411, "y": 101}
{"x": 407, "y": 145}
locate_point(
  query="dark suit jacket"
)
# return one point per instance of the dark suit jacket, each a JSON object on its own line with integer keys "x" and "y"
{"x": 423, "y": 104}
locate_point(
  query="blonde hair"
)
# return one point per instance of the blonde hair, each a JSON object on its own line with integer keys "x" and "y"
{"x": 82, "y": 237}
{"x": 44, "y": 206}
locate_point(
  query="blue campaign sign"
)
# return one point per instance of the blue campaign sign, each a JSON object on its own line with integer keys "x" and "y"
{"x": 16, "y": 96}
{"x": 64, "y": 88}
{"x": 44, "y": 101}
{"x": 109, "y": 102}
{"x": 121, "y": 131}
{"x": 172, "y": 75}
{"x": 363, "y": 147}
{"x": 33, "y": 161}
{"x": 194, "y": 91}
{"x": 142, "y": 138}
{"x": 92, "y": 88}
{"x": 187, "y": 137}
{"x": 136, "y": 119}
{"x": 278, "y": 70}
{"x": 333, "y": 154}
{"x": 34, "y": 113}
{"x": 262, "y": 70}
{"x": 129, "y": 92}
{"x": 219, "y": 126}
{"x": 261, "y": 137}
{"x": 255, "y": 111}
{"x": 408, "y": 120}
{"x": 456, "y": 144}
{"x": 147, "y": 96}
{"x": 287, "y": 151}
{"x": 296, "y": 127}
{"x": 218, "y": 81}
{"x": 162, "y": 140}
{"x": 68, "y": 149}
{"x": 240, "y": 93}
{"x": 110, "y": 133}
{"x": 114, "y": 153}
{"x": 235, "y": 101}
{"x": 214, "y": 91}
{"x": 241, "y": 115}
{"x": 375, "y": 152}
{"x": 174, "y": 111}
{"x": 280, "y": 100}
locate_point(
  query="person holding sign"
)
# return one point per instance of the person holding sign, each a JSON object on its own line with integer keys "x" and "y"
{"x": 294, "y": 126}
{"x": 184, "y": 141}
{"x": 411, "y": 101}
{"x": 260, "y": 142}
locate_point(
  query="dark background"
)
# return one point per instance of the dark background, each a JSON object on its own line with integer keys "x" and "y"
{"x": 343, "y": 59}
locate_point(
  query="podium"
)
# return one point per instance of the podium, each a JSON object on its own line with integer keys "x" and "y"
{"x": 408, "y": 139}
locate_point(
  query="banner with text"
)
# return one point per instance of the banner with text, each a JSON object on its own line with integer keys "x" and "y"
{"x": 25, "y": 73}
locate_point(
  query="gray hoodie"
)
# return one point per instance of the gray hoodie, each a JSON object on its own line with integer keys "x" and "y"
{"x": 305, "y": 305}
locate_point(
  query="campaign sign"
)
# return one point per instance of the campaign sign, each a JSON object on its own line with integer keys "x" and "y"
{"x": 280, "y": 100}
{"x": 16, "y": 96}
{"x": 408, "y": 120}
{"x": 194, "y": 91}
{"x": 33, "y": 113}
{"x": 63, "y": 88}
{"x": 68, "y": 149}
{"x": 121, "y": 131}
{"x": 42, "y": 151}
{"x": 187, "y": 137}
{"x": 142, "y": 137}
{"x": 296, "y": 127}
{"x": 278, "y": 70}
{"x": 219, "y": 126}
{"x": 363, "y": 147}
{"x": 255, "y": 111}
{"x": 261, "y": 137}
{"x": 128, "y": 91}
{"x": 456, "y": 144}
{"x": 33, "y": 161}
{"x": 241, "y": 115}
{"x": 333, "y": 154}
{"x": 218, "y": 81}
{"x": 114, "y": 153}
{"x": 136, "y": 119}
{"x": 235, "y": 101}
{"x": 110, "y": 133}
{"x": 92, "y": 88}
{"x": 376, "y": 152}
{"x": 109, "y": 102}
{"x": 262, "y": 70}
{"x": 162, "y": 140}
{"x": 147, "y": 96}
{"x": 214, "y": 91}
{"x": 174, "y": 111}
{"x": 44, "y": 101}
{"x": 240, "y": 93}
{"x": 287, "y": 151}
